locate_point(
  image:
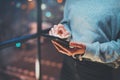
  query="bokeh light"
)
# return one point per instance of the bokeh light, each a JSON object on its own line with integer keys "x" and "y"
{"x": 59, "y": 1}
{"x": 29, "y": 0}
{"x": 18, "y": 44}
{"x": 43, "y": 6}
{"x": 18, "y": 5}
{"x": 48, "y": 14}
{"x": 24, "y": 6}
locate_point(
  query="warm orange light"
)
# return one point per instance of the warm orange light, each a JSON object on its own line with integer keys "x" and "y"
{"x": 59, "y": 1}
{"x": 29, "y": 0}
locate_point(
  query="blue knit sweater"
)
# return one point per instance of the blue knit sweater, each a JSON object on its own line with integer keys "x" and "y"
{"x": 95, "y": 23}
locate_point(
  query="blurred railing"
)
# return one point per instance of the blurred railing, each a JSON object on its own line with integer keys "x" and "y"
{"x": 22, "y": 39}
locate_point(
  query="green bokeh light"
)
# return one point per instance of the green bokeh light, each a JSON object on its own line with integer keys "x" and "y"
{"x": 18, "y": 44}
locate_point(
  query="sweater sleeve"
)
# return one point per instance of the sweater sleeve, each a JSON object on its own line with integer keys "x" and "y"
{"x": 106, "y": 52}
{"x": 65, "y": 21}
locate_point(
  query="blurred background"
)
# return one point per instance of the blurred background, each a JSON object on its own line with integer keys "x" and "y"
{"x": 19, "y": 18}
{"x": 19, "y": 62}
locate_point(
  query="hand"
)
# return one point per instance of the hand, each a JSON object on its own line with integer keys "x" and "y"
{"x": 59, "y": 31}
{"x": 75, "y": 48}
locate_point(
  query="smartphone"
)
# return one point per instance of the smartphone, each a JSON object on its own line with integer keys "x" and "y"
{"x": 57, "y": 39}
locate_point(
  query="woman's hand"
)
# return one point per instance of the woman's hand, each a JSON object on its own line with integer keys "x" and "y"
{"x": 75, "y": 48}
{"x": 59, "y": 31}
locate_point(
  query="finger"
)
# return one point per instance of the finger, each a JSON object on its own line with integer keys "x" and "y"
{"x": 67, "y": 34}
{"x": 57, "y": 32}
{"x": 63, "y": 51}
{"x": 57, "y": 47}
{"x": 50, "y": 32}
{"x": 60, "y": 25}
{"x": 61, "y": 48}
{"x": 62, "y": 31}
{"x": 55, "y": 29}
{"x": 74, "y": 44}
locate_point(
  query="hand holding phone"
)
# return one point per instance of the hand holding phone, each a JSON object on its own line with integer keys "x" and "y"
{"x": 76, "y": 49}
{"x": 59, "y": 35}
